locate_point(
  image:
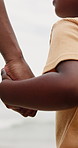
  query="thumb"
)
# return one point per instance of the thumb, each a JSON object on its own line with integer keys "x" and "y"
{"x": 4, "y": 75}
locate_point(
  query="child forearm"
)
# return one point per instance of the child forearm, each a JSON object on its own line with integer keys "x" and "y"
{"x": 48, "y": 92}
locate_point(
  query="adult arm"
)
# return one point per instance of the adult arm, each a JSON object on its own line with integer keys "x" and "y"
{"x": 16, "y": 66}
{"x": 10, "y": 50}
{"x": 9, "y": 47}
{"x": 49, "y": 92}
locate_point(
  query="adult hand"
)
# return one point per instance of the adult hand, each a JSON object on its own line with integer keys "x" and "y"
{"x": 18, "y": 70}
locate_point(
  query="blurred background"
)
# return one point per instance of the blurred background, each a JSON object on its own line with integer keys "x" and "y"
{"x": 32, "y": 21}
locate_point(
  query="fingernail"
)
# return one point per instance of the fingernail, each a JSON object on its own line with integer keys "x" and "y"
{"x": 3, "y": 72}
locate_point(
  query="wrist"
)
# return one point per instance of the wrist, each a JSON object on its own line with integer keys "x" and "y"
{"x": 14, "y": 55}
{"x": 18, "y": 69}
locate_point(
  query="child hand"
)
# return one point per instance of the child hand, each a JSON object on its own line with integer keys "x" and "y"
{"x": 23, "y": 111}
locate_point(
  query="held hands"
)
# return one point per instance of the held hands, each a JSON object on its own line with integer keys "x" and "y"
{"x": 18, "y": 70}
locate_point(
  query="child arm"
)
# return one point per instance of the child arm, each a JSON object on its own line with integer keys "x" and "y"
{"x": 51, "y": 91}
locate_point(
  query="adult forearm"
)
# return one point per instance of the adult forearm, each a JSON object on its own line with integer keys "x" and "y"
{"x": 47, "y": 92}
{"x": 9, "y": 47}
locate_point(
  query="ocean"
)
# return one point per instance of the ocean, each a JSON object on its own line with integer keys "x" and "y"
{"x": 19, "y": 132}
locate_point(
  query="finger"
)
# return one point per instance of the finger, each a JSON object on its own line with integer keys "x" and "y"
{"x": 26, "y": 112}
{"x": 7, "y": 106}
{"x": 22, "y": 111}
{"x": 12, "y": 107}
{"x": 33, "y": 113}
{"x": 4, "y": 75}
{"x": 17, "y": 109}
{"x": 29, "y": 112}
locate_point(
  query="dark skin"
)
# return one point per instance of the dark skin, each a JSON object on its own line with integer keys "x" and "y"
{"x": 15, "y": 64}
{"x": 66, "y": 8}
{"x": 51, "y": 91}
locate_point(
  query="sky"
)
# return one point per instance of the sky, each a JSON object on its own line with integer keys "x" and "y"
{"x": 32, "y": 21}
